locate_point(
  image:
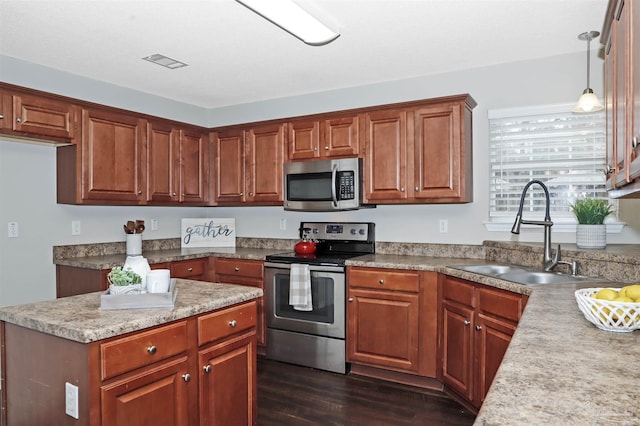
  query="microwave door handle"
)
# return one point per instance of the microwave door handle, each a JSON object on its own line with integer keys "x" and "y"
{"x": 334, "y": 174}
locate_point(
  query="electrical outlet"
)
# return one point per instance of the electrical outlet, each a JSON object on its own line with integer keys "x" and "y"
{"x": 12, "y": 230}
{"x": 444, "y": 226}
{"x": 71, "y": 400}
{"x": 283, "y": 224}
{"x": 154, "y": 224}
{"x": 75, "y": 227}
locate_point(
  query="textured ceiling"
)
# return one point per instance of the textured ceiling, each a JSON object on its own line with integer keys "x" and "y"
{"x": 236, "y": 57}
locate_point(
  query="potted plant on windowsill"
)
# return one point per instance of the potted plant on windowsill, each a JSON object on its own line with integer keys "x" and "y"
{"x": 124, "y": 281}
{"x": 591, "y": 232}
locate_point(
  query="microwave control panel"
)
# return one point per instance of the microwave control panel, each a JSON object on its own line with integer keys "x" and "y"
{"x": 346, "y": 185}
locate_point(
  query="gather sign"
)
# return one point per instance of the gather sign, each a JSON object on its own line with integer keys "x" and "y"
{"x": 208, "y": 232}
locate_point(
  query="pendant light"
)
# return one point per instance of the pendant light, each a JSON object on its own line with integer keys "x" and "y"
{"x": 588, "y": 102}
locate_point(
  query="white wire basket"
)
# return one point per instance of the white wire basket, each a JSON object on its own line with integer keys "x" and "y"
{"x": 608, "y": 315}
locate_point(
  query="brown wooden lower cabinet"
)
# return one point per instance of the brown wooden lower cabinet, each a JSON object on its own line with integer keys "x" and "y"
{"x": 72, "y": 280}
{"x": 249, "y": 273}
{"x": 196, "y": 371}
{"x": 476, "y": 326}
{"x": 391, "y": 320}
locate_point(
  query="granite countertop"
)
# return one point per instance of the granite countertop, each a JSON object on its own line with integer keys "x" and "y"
{"x": 79, "y": 318}
{"x": 166, "y": 255}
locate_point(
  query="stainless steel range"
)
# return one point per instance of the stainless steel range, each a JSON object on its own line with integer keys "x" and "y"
{"x": 315, "y": 336}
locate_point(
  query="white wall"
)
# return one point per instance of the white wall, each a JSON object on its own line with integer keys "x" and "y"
{"x": 27, "y": 171}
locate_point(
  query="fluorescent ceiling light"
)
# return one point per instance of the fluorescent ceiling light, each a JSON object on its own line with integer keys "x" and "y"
{"x": 164, "y": 61}
{"x": 292, "y": 18}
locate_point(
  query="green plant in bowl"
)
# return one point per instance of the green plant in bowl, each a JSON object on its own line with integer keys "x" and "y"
{"x": 120, "y": 277}
{"x": 591, "y": 211}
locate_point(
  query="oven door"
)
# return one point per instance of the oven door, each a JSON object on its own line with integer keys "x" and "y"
{"x": 327, "y": 318}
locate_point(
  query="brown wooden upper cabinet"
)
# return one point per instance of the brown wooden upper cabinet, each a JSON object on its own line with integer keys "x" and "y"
{"x": 324, "y": 137}
{"x": 419, "y": 153}
{"x": 248, "y": 165}
{"x": 621, "y": 38}
{"x": 108, "y": 165}
{"x": 177, "y": 164}
{"x": 25, "y": 114}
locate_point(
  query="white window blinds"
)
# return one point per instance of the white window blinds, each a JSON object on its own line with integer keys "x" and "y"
{"x": 566, "y": 151}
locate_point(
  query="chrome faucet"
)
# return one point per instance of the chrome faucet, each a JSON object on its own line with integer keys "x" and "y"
{"x": 548, "y": 263}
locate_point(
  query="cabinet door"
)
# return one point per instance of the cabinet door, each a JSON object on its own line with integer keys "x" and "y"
{"x": 341, "y": 137}
{"x": 228, "y": 383}
{"x": 230, "y": 166}
{"x": 385, "y": 155}
{"x": 156, "y": 395}
{"x": 163, "y": 153}
{"x": 304, "y": 140}
{"x": 264, "y": 160}
{"x": 619, "y": 34}
{"x": 634, "y": 91}
{"x": 113, "y": 157}
{"x": 382, "y": 329}
{"x": 491, "y": 339}
{"x": 41, "y": 116}
{"x": 194, "y": 166}
{"x": 439, "y": 153}
{"x": 457, "y": 355}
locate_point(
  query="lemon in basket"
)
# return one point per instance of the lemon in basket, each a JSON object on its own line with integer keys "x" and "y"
{"x": 632, "y": 292}
{"x": 606, "y": 294}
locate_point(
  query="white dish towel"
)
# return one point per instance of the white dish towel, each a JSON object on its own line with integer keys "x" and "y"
{"x": 300, "y": 287}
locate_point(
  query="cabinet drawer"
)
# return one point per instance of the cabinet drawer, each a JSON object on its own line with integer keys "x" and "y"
{"x": 459, "y": 291}
{"x": 188, "y": 268}
{"x": 500, "y": 304}
{"x": 226, "y": 322}
{"x": 384, "y": 279}
{"x": 245, "y": 268}
{"x": 140, "y": 349}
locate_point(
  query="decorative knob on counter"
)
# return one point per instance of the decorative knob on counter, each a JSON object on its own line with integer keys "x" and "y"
{"x": 152, "y": 349}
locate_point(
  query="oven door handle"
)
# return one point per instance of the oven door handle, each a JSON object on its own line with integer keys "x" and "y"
{"x": 312, "y": 268}
{"x": 334, "y": 175}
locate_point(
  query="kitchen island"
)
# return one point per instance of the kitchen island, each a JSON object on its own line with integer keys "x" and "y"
{"x": 65, "y": 361}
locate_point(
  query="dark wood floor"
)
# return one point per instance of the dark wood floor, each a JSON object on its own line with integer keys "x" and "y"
{"x": 294, "y": 395}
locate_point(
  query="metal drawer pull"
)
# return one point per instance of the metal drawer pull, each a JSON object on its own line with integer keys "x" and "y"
{"x": 19, "y": 120}
{"x": 236, "y": 269}
{"x": 207, "y": 368}
{"x": 381, "y": 281}
{"x": 189, "y": 269}
{"x": 186, "y": 377}
{"x": 152, "y": 349}
{"x": 478, "y": 328}
{"x": 233, "y": 323}
{"x": 467, "y": 322}
{"x": 1, "y": 116}
{"x": 351, "y": 299}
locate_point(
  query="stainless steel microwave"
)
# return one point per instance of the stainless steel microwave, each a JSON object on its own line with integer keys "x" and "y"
{"x": 323, "y": 185}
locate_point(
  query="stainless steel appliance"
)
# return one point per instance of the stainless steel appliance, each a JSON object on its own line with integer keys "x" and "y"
{"x": 314, "y": 338}
{"x": 324, "y": 185}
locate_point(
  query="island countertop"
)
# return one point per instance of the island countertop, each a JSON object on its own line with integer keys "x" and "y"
{"x": 79, "y": 318}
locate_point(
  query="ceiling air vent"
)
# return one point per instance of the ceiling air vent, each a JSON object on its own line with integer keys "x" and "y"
{"x": 164, "y": 61}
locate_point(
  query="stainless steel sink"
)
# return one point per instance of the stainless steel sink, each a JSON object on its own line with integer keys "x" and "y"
{"x": 491, "y": 269}
{"x": 523, "y": 275}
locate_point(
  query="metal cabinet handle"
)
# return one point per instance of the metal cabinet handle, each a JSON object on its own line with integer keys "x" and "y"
{"x": 478, "y": 327}
{"x": 381, "y": 281}
{"x": 401, "y": 189}
{"x": 174, "y": 194}
{"x": 634, "y": 142}
{"x": 152, "y": 349}
{"x": 186, "y": 377}
{"x": 467, "y": 322}
{"x": 241, "y": 194}
{"x": 236, "y": 269}
{"x": 351, "y": 299}
{"x": 251, "y": 194}
{"x": 189, "y": 269}
{"x": 1, "y": 116}
{"x": 139, "y": 192}
{"x": 315, "y": 148}
{"x": 207, "y": 368}
{"x": 233, "y": 323}
{"x": 417, "y": 189}
{"x": 18, "y": 120}
{"x": 608, "y": 170}
{"x": 326, "y": 148}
